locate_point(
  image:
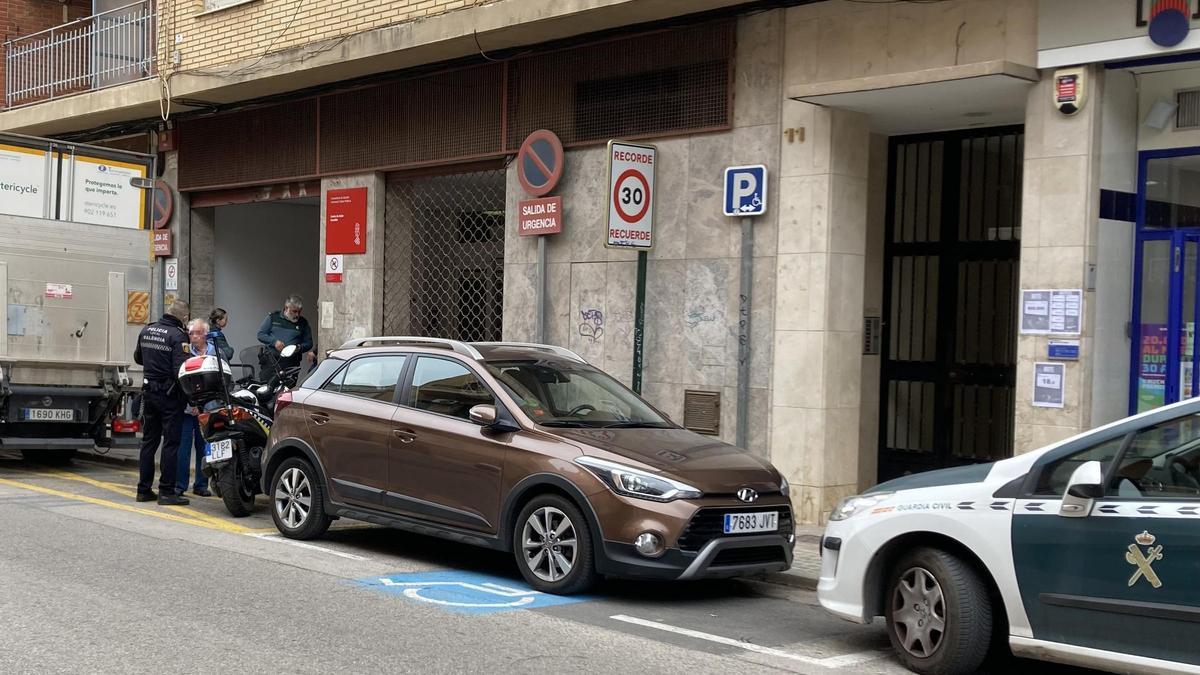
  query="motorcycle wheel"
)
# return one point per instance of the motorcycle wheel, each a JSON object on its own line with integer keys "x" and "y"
{"x": 238, "y": 501}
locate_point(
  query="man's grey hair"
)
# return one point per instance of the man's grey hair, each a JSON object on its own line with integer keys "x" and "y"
{"x": 293, "y": 301}
{"x": 179, "y": 309}
{"x": 197, "y": 322}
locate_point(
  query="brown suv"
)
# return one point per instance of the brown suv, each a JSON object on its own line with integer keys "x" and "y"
{"x": 522, "y": 448}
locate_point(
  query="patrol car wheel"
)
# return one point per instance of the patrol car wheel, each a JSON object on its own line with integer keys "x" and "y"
{"x": 939, "y": 613}
{"x": 297, "y": 506}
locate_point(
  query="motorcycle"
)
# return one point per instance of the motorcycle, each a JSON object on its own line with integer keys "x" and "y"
{"x": 235, "y": 420}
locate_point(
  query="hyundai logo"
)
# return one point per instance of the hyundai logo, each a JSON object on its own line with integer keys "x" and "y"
{"x": 47, "y": 401}
{"x": 747, "y": 495}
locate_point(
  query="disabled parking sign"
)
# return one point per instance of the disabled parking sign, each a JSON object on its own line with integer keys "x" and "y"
{"x": 466, "y": 592}
{"x": 746, "y": 190}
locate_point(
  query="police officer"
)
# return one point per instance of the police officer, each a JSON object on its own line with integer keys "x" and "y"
{"x": 161, "y": 350}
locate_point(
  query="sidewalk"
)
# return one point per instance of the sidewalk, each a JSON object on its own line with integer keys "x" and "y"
{"x": 806, "y": 560}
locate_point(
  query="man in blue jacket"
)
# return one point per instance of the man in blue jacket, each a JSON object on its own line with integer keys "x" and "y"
{"x": 281, "y": 329}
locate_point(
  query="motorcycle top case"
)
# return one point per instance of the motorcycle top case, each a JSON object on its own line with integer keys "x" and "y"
{"x": 203, "y": 378}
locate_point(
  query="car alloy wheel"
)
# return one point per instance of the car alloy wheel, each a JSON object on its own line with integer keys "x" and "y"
{"x": 293, "y": 498}
{"x": 919, "y": 612}
{"x": 550, "y": 544}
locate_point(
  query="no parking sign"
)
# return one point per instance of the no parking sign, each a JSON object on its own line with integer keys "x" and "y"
{"x": 630, "y": 195}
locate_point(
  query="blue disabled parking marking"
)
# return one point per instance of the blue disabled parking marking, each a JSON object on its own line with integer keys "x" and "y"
{"x": 466, "y": 592}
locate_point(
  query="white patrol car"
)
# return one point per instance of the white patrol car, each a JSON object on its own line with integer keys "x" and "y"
{"x": 1085, "y": 552}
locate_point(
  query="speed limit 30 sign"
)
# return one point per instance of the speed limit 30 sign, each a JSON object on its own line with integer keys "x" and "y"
{"x": 630, "y": 195}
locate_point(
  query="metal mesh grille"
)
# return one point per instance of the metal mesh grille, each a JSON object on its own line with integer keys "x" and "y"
{"x": 452, "y": 115}
{"x": 652, "y": 84}
{"x": 444, "y": 256}
{"x": 1187, "y": 115}
{"x": 262, "y": 145}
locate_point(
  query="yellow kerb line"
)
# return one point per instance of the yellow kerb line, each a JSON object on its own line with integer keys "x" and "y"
{"x": 165, "y": 515}
{"x": 131, "y": 491}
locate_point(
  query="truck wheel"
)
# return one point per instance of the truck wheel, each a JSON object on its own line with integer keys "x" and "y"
{"x": 297, "y": 501}
{"x": 51, "y": 457}
{"x": 238, "y": 500}
{"x": 939, "y": 613}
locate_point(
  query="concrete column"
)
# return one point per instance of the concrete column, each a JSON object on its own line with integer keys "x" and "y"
{"x": 202, "y": 242}
{"x": 817, "y": 368}
{"x": 353, "y": 308}
{"x": 1059, "y": 237}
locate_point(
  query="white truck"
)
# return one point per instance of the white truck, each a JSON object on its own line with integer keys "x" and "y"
{"x": 76, "y": 295}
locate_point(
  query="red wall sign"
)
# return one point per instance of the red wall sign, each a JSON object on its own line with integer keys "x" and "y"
{"x": 539, "y": 216}
{"x": 346, "y": 221}
{"x": 162, "y": 243}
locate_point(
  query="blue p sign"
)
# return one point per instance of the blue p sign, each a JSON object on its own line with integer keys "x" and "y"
{"x": 746, "y": 190}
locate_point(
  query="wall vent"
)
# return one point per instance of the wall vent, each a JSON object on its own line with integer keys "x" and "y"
{"x": 1187, "y": 115}
{"x": 702, "y": 412}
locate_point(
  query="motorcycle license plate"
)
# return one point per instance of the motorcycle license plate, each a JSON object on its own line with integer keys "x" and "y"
{"x": 220, "y": 451}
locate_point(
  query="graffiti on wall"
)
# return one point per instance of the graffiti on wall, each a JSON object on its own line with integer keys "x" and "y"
{"x": 592, "y": 324}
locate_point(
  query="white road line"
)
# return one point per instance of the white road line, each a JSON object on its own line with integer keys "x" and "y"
{"x": 268, "y": 536}
{"x": 840, "y": 661}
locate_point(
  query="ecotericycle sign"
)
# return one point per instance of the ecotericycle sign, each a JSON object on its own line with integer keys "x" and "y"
{"x": 22, "y": 178}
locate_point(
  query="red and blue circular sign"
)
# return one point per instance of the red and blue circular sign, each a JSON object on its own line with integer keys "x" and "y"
{"x": 540, "y": 162}
{"x": 1169, "y": 22}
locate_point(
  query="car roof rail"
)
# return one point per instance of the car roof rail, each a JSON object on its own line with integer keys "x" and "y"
{"x": 553, "y": 349}
{"x": 455, "y": 345}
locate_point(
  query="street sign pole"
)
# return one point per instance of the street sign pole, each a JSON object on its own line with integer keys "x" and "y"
{"x": 540, "y": 326}
{"x": 746, "y": 284}
{"x": 745, "y": 197}
{"x": 639, "y": 322}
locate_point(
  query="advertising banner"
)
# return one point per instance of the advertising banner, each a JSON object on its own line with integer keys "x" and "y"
{"x": 23, "y": 186}
{"x": 102, "y": 193}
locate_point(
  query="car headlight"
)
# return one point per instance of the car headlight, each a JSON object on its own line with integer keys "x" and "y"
{"x": 631, "y": 482}
{"x": 784, "y": 488}
{"x": 851, "y": 506}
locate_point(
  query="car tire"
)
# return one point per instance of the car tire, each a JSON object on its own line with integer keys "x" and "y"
{"x": 929, "y": 587}
{"x": 294, "y": 482}
{"x": 541, "y": 558}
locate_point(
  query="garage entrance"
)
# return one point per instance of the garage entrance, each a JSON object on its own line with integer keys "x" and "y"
{"x": 262, "y": 253}
{"x": 950, "y": 296}
{"x": 444, "y": 255}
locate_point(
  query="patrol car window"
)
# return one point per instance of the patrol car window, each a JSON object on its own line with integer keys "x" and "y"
{"x": 1163, "y": 462}
{"x": 373, "y": 377}
{"x": 447, "y": 388}
{"x": 1057, "y": 474}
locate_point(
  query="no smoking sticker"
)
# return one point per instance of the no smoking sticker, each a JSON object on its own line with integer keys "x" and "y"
{"x": 333, "y": 268}
{"x": 631, "y": 195}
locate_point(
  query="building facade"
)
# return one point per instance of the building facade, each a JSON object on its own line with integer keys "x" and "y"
{"x": 976, "y": 240}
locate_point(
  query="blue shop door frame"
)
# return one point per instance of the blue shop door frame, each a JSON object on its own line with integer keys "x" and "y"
{"x": 1166, "y": 302}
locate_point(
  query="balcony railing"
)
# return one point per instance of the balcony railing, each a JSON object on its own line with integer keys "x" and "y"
{"x": 94, "y": 52}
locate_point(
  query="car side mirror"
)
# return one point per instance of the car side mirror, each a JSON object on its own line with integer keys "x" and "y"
{"x": 483, "y": 415}
{"x": 1084, "y": 488}
{"x": 489, "y": 418}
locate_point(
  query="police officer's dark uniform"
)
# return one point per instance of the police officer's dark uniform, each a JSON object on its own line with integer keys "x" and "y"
{"x": 161, "y": 351}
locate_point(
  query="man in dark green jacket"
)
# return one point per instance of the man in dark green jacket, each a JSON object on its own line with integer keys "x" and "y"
{"x": 281, "y": 329}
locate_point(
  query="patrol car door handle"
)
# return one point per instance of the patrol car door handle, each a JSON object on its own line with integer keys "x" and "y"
{"x": 405, "y": 436}
{"x": 319, "y": 418}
